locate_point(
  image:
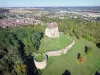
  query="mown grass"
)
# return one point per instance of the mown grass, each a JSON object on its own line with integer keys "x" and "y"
{"x": 49, "y": 44}
{"x": 57, "y": 65}
{"x": 39, "y": 58}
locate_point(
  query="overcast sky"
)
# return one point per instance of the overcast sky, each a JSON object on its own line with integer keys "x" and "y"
{"x": 38, "y": 3}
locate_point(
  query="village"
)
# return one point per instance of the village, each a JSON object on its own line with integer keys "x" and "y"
{"x": 13, "y": 17}
{"x": 4, "y": 23}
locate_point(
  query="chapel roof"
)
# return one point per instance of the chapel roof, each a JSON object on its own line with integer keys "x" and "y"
{"x": 52, "y": 25}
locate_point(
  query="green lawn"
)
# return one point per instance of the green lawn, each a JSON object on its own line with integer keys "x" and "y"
{"x": 57, "y": 65}
{"x": 48, "y": 44}
{"x": 39, "y": 58}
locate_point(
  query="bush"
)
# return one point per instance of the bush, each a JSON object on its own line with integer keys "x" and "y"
{"x": 81, "y": 59}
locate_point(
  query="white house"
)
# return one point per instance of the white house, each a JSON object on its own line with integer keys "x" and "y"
{"x": 52, "y": 30}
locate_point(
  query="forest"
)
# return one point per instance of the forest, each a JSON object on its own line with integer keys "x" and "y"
{"x": 79, "y": 28}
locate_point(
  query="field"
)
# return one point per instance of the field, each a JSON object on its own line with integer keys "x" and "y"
{"x": 58, "y": 65}
{"x": 49, "y": 44}
{"x": 20, "y": 11}
{"x": 91, "y": 14}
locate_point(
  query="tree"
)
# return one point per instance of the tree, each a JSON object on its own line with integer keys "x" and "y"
{"x": 9, "y": 60}
{"x": 67, "y": 72}
{"x": 35, "y": 38}
{"x": 88, "y": 50}
{"x": 98, "y": 45}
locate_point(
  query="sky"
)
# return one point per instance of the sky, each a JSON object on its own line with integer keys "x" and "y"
{"x": 44, "y": 3}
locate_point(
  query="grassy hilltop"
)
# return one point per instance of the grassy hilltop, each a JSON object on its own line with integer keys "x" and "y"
{"x": 50, "y": 44}
{"x": 69, "y": 61}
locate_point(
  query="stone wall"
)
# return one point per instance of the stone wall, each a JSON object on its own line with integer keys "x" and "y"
{"x": 59, "y": 52}
{"x": 68, "y": 47}
{"x": 42, "y": 65}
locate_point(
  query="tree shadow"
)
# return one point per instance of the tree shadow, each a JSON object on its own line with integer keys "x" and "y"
{"x": 66, "y": 72}
{"x": 1, "y": 56}
{"x": 21, "y": 48}
{"x": 42, "y": 35}
{"x": 97, "y": 73}
{"x": 30, "y": 66}
{"x": 28, "y": 60}
{"x": 78, "y": 55}
{"x": 1, "y": 73}
{"x": 47, "y": 56}
{"x": 98, "y": 45}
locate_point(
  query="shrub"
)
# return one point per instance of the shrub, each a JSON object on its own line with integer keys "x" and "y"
{"x": 81, "y": 59}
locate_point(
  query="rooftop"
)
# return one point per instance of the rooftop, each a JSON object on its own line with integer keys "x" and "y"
{"x": 52, "y": 25}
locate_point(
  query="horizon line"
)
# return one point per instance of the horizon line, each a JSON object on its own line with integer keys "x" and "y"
{"x": 44, "y": 6}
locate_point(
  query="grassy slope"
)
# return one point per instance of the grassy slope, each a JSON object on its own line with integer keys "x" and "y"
{"x": 57, "y": 65}
{"x": 48, "y": 44}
